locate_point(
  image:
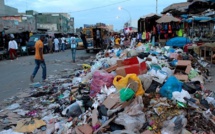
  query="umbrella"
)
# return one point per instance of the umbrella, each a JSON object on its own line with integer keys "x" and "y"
{"x": 178, "y": 42}
{"x": 167, "y": 19}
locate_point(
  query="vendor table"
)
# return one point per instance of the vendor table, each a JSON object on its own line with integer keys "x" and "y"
{"x": 207, "y": 52}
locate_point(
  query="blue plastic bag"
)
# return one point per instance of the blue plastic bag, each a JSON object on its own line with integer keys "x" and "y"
{"x": 172, "y": 84}
{"x": 173, "y": 63}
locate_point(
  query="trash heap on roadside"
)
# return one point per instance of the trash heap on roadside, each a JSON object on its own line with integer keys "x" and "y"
{"x": 143, "y": 90}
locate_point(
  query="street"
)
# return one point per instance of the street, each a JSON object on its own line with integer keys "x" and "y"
{"x": 15, "y": 75}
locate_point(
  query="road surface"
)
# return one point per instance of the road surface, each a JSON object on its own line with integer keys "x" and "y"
{"x": 15, "y": 75}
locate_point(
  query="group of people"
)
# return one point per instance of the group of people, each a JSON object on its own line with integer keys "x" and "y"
{"x": 39, "y": 58}
{"x": 55, "y": 44}
{"x": 122, "y": 41}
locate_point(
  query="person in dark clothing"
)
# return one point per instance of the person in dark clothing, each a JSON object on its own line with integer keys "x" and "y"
{"x": 83, "y": 38}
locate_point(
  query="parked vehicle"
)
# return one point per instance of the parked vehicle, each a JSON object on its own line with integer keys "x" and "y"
{"x": 95, "y": 37}
{"x": 80, "y": 43}
{"x": 32, "y": 41}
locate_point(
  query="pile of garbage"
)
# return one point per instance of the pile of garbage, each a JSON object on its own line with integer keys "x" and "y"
{"x": 143, "y": 90}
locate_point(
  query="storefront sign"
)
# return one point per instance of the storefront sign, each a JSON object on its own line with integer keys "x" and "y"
{"x": 17, "y": 18}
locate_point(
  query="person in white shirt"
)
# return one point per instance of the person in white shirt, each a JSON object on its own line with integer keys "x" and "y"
{"x": 12, "y": 48}
{"x": 63, "y": 44}
{"x": 56, "y": 44}
{"x": 73, "y": 47}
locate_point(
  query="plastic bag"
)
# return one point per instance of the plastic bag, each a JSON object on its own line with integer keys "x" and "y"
{"x": 146, "y": 79}
{"x": 179, "y": 96}
{"x": 136, "y": 107}
{"x": 100, "y": 78}
{"x": 168, "y": 71}
{"x": 172, "y": 84}
{"x": 126, "y": 94}
{"x": 193, "y": 73}
{"x": 96, "y": 66}
{"x": 73, "y": 110}
{"x": 130, "y": 122}
{"x": 175, "y": 125}
{"x": 158, "y": 75}
{"x": 122, "y": 82}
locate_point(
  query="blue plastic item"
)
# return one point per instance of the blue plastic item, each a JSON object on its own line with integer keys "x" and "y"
{"x": 173, "y": 63}
{"x": 178, "y": 42}
{"x": 118, "y": 53}
{"x": 172, "y": 84}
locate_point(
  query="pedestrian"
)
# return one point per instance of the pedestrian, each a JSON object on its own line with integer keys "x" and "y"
{"x": 39, "y": 59}
{"x": 117, "y": 41}
{"x": 12, "y": 48}
{"x": 122, "y": 38}
{"x": 50, "y": 44}
{"x": 126, "y": 42}
{"x": 73, "y": 47}
{"x": 56, "y": 44}
{"x": 63, "y": 41}
{"x": 83, "y": 38}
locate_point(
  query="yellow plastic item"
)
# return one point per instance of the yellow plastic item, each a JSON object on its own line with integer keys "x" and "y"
{"x": 121, "y": 82}
{"x": 86, "y": 66}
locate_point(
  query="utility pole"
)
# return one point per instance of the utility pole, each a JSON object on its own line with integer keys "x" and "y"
{"x": 156, "y": 6}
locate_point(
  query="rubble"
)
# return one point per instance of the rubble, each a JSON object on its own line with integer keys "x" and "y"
{"x": 144, "y": 90}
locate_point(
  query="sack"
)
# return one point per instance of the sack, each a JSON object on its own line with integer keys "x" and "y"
{"x": 121, "y": 82}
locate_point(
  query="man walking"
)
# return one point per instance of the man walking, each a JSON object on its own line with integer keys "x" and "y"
{"x": 73, "y": 47}
{"x": 39, "y": 59}
{"x": 12, "y": 48}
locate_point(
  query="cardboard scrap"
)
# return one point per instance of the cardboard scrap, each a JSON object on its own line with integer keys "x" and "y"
{"x": 132, "y": 69}
{"x": 126, "y": 62}
{"x": 85, "y": 129}
{"x": 133, "y": 85}
{"x": 111, "y": 100}
{"x": 147, "y": 132}
{"x": 183, "y": 69}
{"x": 112, "y": 68}
{"x": 94, "y": 117}
{"x": 105, "y": 124}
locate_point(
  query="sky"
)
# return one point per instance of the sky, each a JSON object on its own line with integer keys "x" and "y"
{"x": 95, "y": 11}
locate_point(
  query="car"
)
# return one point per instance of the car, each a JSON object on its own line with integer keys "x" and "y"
{"x": 32, "y": 41}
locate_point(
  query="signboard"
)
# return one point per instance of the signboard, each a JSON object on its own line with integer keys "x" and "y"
{"x": 17, "y": 18}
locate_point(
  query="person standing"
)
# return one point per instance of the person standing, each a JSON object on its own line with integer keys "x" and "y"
{"x": 63, "y": 43}
{"x": 56, "y": 44}
{"x": 12, "y": 48}
{"x": 117, "y": 41}
{"x": 83, "y": 38}
{"x": 39, "y": 59}
{"x": 50, "y": 44}
{"x": 73, "y": 47}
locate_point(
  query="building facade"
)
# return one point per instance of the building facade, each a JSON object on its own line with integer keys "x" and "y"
{"x": 53, "y": 22}
{"x": 7, "y": 10}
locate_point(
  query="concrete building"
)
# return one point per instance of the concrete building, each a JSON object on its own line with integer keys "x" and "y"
{"x": 7, "y": 10}
{"x": 53, "y": 22}
{"x": 13, "y": 22}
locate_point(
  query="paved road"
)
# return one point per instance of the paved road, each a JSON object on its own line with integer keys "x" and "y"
{"x": 15, "y": 75}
